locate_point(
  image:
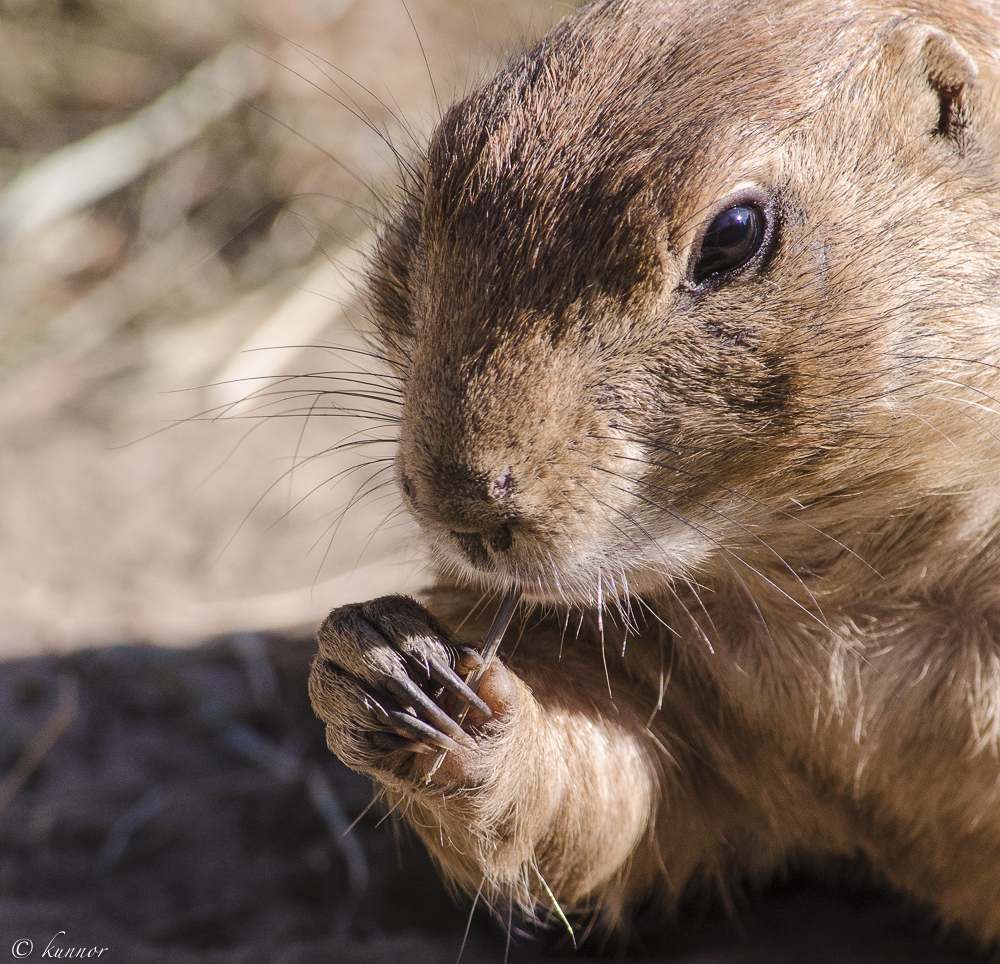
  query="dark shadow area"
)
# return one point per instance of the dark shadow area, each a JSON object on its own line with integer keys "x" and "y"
{"x": 180, "y": 805}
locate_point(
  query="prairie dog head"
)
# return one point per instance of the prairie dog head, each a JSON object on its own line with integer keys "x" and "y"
{"x": 688, "y": 270}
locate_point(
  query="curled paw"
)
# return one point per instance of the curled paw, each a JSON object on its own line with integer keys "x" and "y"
{"x": 388, "y": 683}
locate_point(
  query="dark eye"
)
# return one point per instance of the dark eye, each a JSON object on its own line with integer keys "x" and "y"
{"x": 730, "y": 242}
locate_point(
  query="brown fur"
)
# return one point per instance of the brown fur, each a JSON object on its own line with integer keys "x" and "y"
{"x": 758, "y": 519}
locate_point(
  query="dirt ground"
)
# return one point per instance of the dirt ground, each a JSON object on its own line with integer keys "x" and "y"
{"x": 186, "y": 193}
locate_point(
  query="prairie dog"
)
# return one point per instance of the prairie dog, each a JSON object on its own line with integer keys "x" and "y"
{"x": 696, "y": 313}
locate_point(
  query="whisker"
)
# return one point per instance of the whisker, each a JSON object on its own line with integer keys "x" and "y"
{"x": 947, "y": 438}
{"x": 423, "y": 53}
{"x": 728, "y": 554}
{"x": 281, "y": 478}
{"x": 347, "y": 470}
{"x": 362, "y": 493}
{"x": 333, "y": 349}
{"x": 397, "y": 115}
{"x": 619, "y": 511}
{"x": 759, "y": 539}
{"x": 331, "y": 157}
{"x": 750, "y": 500}
{"x": 468, "y": 923}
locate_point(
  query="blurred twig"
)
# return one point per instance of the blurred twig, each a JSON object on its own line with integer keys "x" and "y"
{"x": 252, "y": 650}
{"x": 328, "y": 806}
{"x": 83, "y": 172}
{"x": 288, "y": 765}
{"x": 43, "y": 741}
{"x": 129, "y": 824}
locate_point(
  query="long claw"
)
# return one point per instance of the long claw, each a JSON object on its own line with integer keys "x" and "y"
{"x": 377, "y": 709}
{"x": 408, "y": 693}
{"x": 417, "y": 747}
{"x": 394, "y": 741}
{"x": 468, "y": 659}
{"x": 418, "y": 730}
{"x": 444, "y": 675}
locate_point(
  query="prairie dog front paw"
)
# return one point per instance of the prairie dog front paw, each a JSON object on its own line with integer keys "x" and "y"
{"x": 388, "y": 683}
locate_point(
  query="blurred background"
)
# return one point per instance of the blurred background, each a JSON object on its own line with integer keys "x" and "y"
{"x": 187, "y": 192}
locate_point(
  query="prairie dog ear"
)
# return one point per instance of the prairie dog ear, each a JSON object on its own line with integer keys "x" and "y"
{"x": 952, "y": 74}
{"x": 941, "y": 76}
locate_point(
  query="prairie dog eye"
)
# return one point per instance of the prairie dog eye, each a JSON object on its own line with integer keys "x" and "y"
{"x": 740, "y": 233}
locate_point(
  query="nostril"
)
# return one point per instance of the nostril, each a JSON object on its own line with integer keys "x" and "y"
{"x": 472, "y": 547}
{"x": 502, "y": 486}
{"x": 501, "y": 540}
{"x": 407, "y": 486}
